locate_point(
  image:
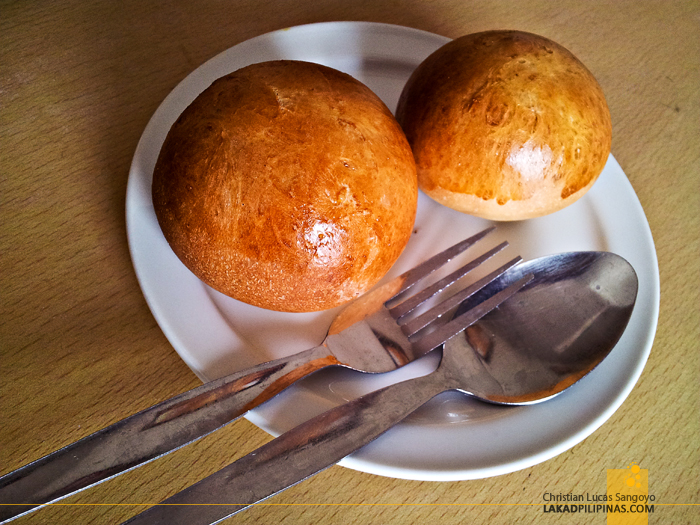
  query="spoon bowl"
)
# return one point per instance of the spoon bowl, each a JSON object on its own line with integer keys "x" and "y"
{"x": 551, "y": 334}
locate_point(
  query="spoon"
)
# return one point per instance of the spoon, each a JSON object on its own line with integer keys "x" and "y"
{"x": 533, "y": 347}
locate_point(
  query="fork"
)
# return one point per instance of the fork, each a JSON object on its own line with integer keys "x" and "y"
{"x": 373, "y": 334}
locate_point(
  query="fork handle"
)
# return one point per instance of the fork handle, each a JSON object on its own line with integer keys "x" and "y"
{"x": 151, "y": 433}
{"x": 294, "y": 456}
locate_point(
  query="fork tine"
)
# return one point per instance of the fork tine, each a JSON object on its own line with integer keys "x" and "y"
{"x": 427, "y": 267}
{"x": 407, "y": 306}
{"x": 463, "y": 321}
{"x": 423, "y": 320}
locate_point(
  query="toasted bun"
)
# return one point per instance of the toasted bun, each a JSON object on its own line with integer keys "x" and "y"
{"x": 287, "y": 185}
{"x": 505, "y": 125}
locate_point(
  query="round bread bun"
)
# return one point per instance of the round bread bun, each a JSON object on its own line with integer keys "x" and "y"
{"x": 287, "y": 185}
{"x": 505, "y": 125}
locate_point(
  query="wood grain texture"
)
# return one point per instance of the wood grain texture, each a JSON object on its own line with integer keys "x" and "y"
{"x": 79, "y": 349}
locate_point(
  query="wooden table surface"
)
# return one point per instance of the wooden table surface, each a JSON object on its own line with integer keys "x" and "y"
{"x": 79, "y": 348}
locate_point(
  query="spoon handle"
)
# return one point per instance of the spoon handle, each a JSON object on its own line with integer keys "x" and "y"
{"x": 294, "y": 456}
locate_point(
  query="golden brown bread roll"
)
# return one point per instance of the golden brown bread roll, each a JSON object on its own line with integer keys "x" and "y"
{"x": 505, "y": 125}
{"x": 287, "y": 185}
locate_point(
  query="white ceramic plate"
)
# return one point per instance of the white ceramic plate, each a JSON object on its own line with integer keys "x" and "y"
{"x": 453, "y": 437}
